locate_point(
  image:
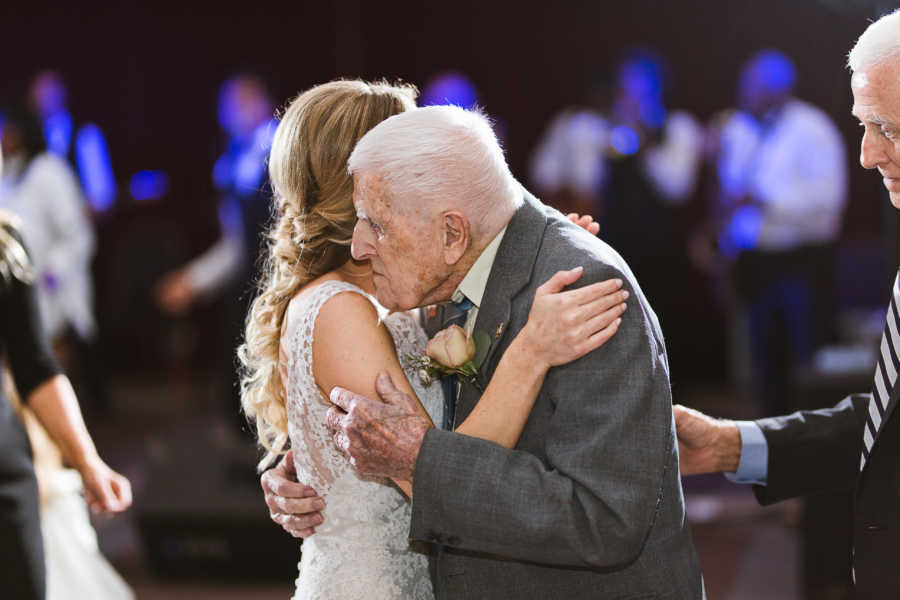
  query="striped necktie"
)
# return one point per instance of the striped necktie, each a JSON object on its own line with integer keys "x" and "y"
{"x": 885, "y": 374}
{"x": 455, "y": 313}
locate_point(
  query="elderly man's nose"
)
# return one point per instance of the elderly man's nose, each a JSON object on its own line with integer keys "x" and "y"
{"x": 871, "y": 154}
{"x": 358, "y": 245}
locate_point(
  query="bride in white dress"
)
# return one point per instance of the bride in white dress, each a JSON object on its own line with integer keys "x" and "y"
{"x": 316, "y": 324}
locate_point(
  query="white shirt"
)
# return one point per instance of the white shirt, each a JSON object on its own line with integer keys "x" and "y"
{"x": 59, "y": 237}
{"x": 571, "y": 153}
{"x": 474, "y": 283}
{"x": 574, "y": 152}
{"x": 796, "y": 169}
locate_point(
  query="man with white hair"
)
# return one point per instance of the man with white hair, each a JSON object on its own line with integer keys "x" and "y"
{"x": 589, "y": 503}
{"x": 856, "y": 444}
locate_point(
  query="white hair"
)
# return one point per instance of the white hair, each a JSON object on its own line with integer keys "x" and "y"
{"x": 880, "y": 42}
{"x": 446, "y": 156}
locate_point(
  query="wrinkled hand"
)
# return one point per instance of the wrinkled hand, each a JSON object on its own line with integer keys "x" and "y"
{"x": 174, "y": 293}
{"x": 564, "y": 326}
{"x": 379, "y": 438}
{"x": 706, "y": 445}
{"x": 585, "y": 222}
{"x": 105, "y": 490}
{"x": 294, "y": 506}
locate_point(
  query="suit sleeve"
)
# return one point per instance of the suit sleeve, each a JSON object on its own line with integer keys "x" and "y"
{"x": 592, "y": 502}
{"x": 813, "y": 452}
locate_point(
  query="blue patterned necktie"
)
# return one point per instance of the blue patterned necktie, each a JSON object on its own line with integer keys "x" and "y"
{"x": 455, "y": 313}
{"x": 885, "y": 375}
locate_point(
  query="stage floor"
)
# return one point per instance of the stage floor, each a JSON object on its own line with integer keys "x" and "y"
{"x": 746, "y": 552}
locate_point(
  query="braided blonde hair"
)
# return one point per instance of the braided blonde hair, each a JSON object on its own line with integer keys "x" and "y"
{"x": 313, "y": 230}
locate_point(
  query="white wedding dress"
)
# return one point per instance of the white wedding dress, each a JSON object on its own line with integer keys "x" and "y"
{"x": 361, "y": 550}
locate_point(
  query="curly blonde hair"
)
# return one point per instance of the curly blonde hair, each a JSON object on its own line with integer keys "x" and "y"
{"x": 313, "y": 230}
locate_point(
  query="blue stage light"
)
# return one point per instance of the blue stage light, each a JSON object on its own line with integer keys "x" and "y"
{"x": 94, "y": 167}
{"x": 58, "y": 133}
{"x": 149, "y": 185}
{"x": 450, "y": 88}
{"x": 625, "y": 140}
{"x": 745, "y": 228}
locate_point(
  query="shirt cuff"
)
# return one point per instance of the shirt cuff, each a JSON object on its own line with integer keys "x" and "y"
{"x": 754, "y": 464}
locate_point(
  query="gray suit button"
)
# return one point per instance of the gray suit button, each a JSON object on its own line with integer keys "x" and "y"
{"x": 874, "y": 527}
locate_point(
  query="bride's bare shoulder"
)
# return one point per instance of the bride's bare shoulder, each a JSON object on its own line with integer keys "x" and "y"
{"x": 346, "y": 308}
{"x": 313, "y": 285}
{"x": 351, "y": 344}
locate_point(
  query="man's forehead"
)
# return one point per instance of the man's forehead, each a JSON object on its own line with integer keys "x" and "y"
{"x": 859, "y": 80}
{"x": 876, "y": 93}
{"x": 370, "y": 193}
{"x": 360, "y": 185}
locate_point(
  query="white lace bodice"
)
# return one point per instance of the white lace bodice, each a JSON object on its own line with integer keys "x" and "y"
{"x": 362, "y": 549}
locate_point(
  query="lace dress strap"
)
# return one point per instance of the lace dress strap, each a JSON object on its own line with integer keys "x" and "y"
{"x": 317, "y": 461}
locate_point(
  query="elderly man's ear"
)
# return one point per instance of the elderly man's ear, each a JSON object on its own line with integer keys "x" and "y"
{"x": 457, "y": 236}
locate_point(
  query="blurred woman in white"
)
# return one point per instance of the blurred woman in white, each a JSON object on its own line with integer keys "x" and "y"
{"x": 43, "y": 191}
{"x": 47, "y": 393}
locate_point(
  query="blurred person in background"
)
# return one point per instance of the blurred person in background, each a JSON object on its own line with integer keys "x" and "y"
{"x": 782, "y": 179}
{"x": 42, "y": 190}
{"x": 654, "y": 155}
{"x": 229, "y": 266}
{"x": 853, "y": 446}
{"x": 49, "y": 395}
{"x": 568, "y": 168}
{"x": 585, "y": 148}
{"x": 632, "y": 162}
{"x": 48, "y": 98}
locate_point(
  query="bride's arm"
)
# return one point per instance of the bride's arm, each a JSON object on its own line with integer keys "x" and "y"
{"x": 351, "y": 347}
{"x": 562, "y": 327}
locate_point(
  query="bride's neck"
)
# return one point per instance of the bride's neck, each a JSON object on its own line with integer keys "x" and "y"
{"x": 359, "y": 273}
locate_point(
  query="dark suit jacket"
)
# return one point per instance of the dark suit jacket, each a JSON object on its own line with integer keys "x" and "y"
{"x": 812, "y": 452}
{"x": 589, "y": 504}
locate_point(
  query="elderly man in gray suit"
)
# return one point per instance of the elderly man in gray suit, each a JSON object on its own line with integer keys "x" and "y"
{"x": 589, "y": 503}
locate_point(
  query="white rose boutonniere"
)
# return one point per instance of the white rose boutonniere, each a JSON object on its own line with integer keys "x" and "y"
{"x": 452, "y": 352}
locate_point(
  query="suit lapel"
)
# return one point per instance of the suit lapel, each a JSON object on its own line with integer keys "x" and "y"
{"x": 510, "y": 273}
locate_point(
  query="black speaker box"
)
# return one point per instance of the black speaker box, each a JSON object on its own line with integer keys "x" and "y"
{"x": 202, "y": 515}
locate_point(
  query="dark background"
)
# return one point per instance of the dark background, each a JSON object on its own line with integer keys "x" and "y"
{"x": 149, "y": 76}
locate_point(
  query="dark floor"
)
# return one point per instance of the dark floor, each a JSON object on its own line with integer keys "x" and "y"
{"x": 192, "y": 465}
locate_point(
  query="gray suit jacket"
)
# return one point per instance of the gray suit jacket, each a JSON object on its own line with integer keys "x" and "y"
{"x": 589, "y": 503}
